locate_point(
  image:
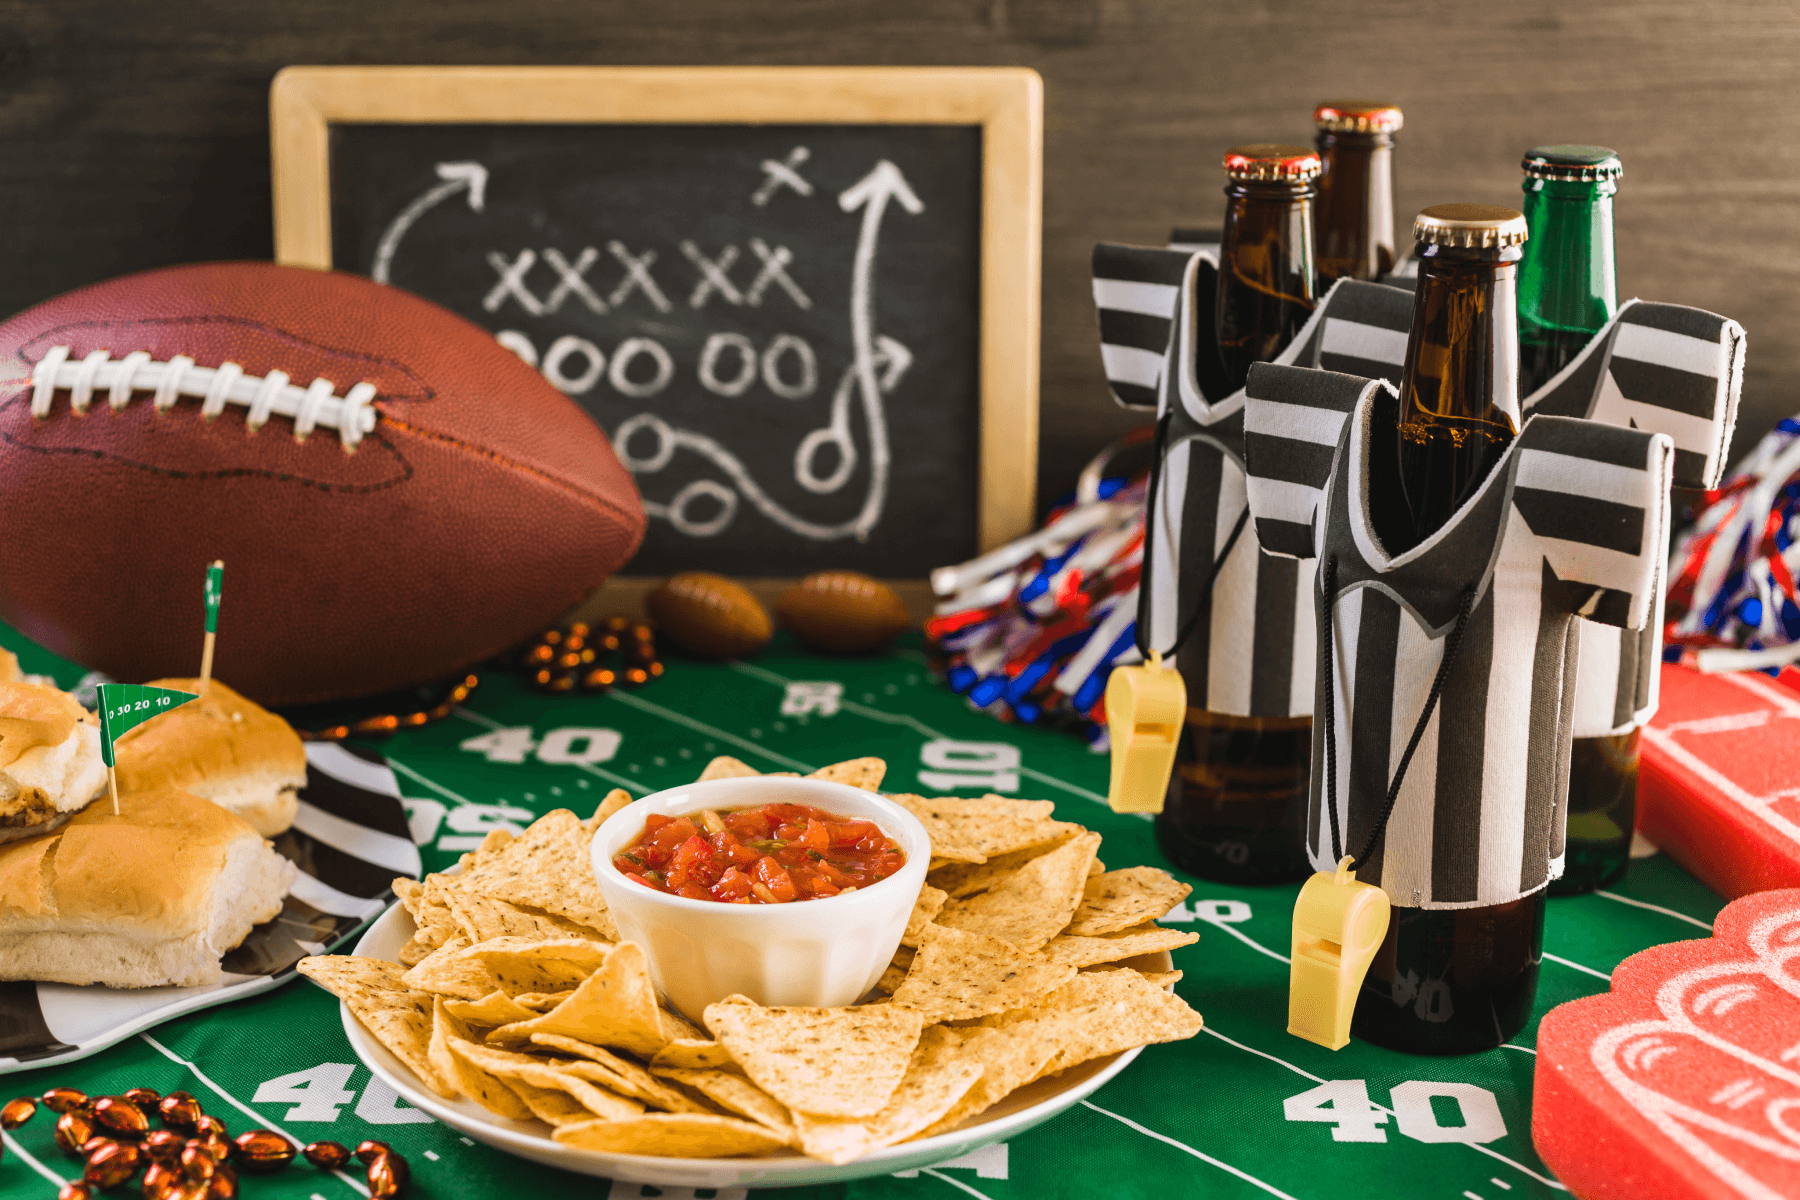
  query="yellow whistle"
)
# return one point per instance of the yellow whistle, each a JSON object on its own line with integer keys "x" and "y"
{"x": 1145, "y": 707}
{"x": 1338, "y": 926}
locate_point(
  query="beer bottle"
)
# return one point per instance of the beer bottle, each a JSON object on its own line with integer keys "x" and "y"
{"x": 1568, "y": 287}
{"x": 1603, "y": 779}
{"x": 1448, "y": 981}
{"x": 1355, "y": 238}
{"x": 1266, "y": 287}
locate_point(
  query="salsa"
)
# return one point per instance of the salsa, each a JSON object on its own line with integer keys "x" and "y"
{"x": 767, "y": 855}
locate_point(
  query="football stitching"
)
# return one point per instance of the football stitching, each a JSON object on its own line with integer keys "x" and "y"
{"x": 522, "y": 468}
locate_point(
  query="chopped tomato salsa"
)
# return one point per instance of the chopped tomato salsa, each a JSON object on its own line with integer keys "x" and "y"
{"x": 766, "y": 855}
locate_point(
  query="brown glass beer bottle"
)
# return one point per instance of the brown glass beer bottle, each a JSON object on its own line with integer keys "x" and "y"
{"x": 1355, "y": 220}
{"x": 1266, "y": 285}
{"x": 1449, "y": 981}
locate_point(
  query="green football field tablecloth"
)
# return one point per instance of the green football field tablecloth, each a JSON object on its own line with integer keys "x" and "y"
{"x": 1241, "y": 1110}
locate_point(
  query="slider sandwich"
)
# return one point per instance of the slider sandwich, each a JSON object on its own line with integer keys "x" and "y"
{"x": 152, "y": 897}
{"x": 50, "y": 764}
{"x": 221, "y": 747}
{"x": 9, "y": 667}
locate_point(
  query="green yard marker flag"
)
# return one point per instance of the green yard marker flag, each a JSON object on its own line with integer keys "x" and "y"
{"x": 125, "y": 706}
{"x": 215, "y": 588}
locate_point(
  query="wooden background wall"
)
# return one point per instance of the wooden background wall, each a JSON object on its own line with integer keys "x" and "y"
{"x": 135, "y": 134}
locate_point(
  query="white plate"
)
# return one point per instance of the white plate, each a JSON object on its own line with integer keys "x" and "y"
{"x": 1025, "y": 1108}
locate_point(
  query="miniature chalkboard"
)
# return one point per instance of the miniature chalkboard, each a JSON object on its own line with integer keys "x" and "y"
{"x": 803, "y": 302}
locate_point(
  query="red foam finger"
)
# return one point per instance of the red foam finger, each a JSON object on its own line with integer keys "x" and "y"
{"x": 1683, "y": 1081}
{"x": 1719, "y": 785}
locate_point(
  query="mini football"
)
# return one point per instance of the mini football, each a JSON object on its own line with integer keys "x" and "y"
{"x": 395, "y": 495}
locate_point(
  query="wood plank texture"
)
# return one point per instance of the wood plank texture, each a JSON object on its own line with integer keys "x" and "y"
{"x": 136, "y": 134}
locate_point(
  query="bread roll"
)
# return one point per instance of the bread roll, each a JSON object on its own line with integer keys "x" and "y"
{"x": 49, "y": 759}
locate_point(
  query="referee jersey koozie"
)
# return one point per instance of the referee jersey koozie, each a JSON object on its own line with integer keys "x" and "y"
{"x": 1252, "y": 650}
{"x": 1571, "y": 523}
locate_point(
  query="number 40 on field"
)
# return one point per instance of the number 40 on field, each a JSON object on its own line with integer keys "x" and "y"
{"x": 1344, "y": 1104}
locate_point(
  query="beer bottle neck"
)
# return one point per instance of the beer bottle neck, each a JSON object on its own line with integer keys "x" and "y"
{"x": 1568, "y": 281}
{"x": 1266, "y": 286}
{"x": 1356, "y": 206}
{"x": 1462, "y": 356}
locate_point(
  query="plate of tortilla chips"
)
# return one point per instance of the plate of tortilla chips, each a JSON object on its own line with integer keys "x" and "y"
{"x": 497, "y": 998}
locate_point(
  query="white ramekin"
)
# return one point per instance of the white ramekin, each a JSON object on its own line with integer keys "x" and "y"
{"x": 828, "y": 951}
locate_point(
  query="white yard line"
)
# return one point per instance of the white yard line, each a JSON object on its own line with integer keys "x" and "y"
{"x": 709, "y": 730}
{"x": 439, "y": 788}
{"x": 1521, "y": 1049}
{"x": 629, "y": 785}
{"x": 955, "y": 1183}
{"x": 1667, "y": 912}
{"x": 1187, "y": 1149}
{"x": 918, "y": 726}
{"x": 261, "y": 1120}
{"x": 31, "y": 1161}
{"x": 1578, "y": 967}
{"x": 1225, "y": 926}
{"x": 1305, "y": 1074}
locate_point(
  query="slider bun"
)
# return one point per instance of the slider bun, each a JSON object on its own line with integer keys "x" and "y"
{"x": 49, "y": 759}
{"x": 221, "y": 747}
{"x": 149, "y": 898}
{"x": 9, "y": 666}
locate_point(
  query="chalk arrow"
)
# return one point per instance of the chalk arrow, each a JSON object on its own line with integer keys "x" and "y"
{"x": 456, "y": 176}
{"x": 895, "y": 357}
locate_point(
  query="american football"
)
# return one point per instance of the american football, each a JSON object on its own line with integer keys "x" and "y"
{"x": 397, "y": 495}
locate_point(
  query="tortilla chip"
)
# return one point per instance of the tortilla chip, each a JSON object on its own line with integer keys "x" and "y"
{"x": 446, "y": 972}
{"x": 936, "y": 1078}
{"x": 1129, "y": 943}
{"x": 529, "y": 964}
{"x": 677, "y": 1026}
{"x": 694, "y": 1053}
{"x": 959, "y": 975}
{"x": 481, "y": 917}
{"x": 614, "y": 800}
{"x": 615, "y": 1006}
{"x": 864, "y": 773}
{"x": 925, "y": 909}
{"x": 486, "y": 1089}
{"x": 1111, "y": 1011}
{"x": 726, "y": 767}
{"x": 837, "y": 1062}
{"x": 540, "y": 1001}
{"x": 973, "y": 831}
{"x": 570, "y": 1077}
{"x": 960, "y": 880}
{"x": 496, "y": 1008}
{"x": 547, "y": 867}
{"x": 371, "y": 989}
{"x": 891, "y": 979}
{"x": 1121, "y": 899}
{"x": 409, "y": 892}
{"x": 626, "y": 1078}
{"x": 1162, "y": 979}
{"x": 1034, "y": 903}
{"x": 553, "y": 1106}
{"x": 1010, "y": 1058}
{"x": 676, "y": 1135}
{"x": 733, "y": 1092}
{"x": 432, "y": 916}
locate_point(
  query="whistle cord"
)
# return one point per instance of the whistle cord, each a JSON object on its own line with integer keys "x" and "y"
{"x": 1150, "y": 499}
{"x": 1451, "y": 647}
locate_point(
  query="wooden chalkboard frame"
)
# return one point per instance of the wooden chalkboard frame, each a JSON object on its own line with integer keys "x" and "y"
{"x": 1006, "y": 102}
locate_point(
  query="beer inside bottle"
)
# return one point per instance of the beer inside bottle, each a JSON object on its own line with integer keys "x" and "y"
{"x": 1568, "y": 286}
{"x": 1266, "y": 287}
{"x": 1236, "y": 806}
{"x": 1603, "y": 779}
{"x": 1355, "y": 222}
{"x": 1450, "y": 981}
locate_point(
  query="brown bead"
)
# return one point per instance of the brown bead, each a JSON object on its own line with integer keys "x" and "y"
{"x": 94, "y": 1143}
{"x": 197, "y": 1161}
{"x": 843, "y": 612}
{"x": 388, "y": 1175}
{"x": 112, "y": 1165}
{"x": 710, "y": 616}
{"x": 206, "y": 1123}
{"x": 327, "y": 1156}
{"x": 144, "y": 1098}
{"x": 161, "y": 1181}
{"x": 64, "y": 1099}
{"x": 75, "y": 1191}
{"x": 164, "y": 1146}
{"x": 224, "y": 1184}
{"x": 366, "y": 1151}
{"x": 120, "y": 1117}
{"x": 17, "y": 1112}
{"x": 72, "y": 1132}
{"x": 216, "y": 1145}
{"x": 262, "y": 1150}
{"x": 179, "y": 1111}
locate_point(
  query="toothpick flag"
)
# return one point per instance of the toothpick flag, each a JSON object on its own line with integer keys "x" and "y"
{"x": 215, "y": 587}
{"x": 125, "y": 706}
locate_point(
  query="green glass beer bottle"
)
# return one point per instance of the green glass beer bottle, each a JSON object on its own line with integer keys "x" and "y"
{"x": 1355, "y": 235}
{"x": 1450, "y": 981}
{"x": 1267, "y": 287}
{"x": 1568, "y": 287}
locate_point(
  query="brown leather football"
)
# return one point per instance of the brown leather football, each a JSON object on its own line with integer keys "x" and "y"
{"x": 395, "y": 495}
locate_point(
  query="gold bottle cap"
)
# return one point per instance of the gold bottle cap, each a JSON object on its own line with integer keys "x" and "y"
{"x": 1469, "y": 226}
{"x": 1271, "y": 163}
{"x": 1572, "y": 164}
{"x": 1357, "y": 116}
